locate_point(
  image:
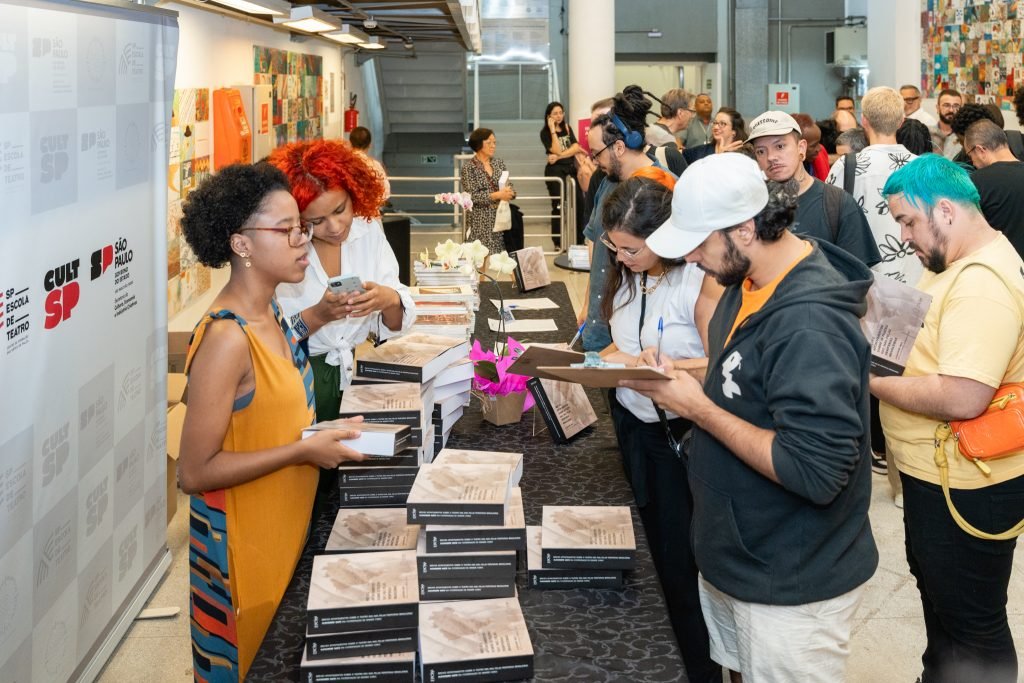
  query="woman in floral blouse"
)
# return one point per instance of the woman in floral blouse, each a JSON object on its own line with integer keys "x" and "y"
{"x": 480, "y": 178}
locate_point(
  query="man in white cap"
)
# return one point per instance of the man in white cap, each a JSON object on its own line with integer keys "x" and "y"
{"x": 779, "y": 464}
{"x": 823, "y": 211}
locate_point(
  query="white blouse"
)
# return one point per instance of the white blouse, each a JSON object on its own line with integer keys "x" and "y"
{"x": 367, "y": 254}
{"x": 674, "y": 301}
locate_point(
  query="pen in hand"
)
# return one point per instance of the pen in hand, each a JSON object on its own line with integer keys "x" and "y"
{"x": 661, "y": 333}
{"x": 579, "y": 333}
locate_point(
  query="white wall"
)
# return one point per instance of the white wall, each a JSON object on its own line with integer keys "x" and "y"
{"x": 215, "y": 51}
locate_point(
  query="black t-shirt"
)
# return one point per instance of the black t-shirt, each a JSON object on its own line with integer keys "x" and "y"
{"x": 1002, "y": 200}
{"x": 854, "y": 234}
{"x": 566, "y": 140}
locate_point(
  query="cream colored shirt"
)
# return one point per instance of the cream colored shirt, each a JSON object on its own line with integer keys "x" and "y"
{"x": 973, "y": 329}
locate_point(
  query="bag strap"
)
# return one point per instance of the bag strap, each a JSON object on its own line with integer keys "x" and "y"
{"x": 833, "y": 201}
{"x": 673, "y": 443}
{"x": 849, "y": 171}
{"x": 942, "y": 435}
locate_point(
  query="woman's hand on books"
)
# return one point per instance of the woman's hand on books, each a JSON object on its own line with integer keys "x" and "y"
{"x": 375, "y": 298}
{"x": 324, "y": 449}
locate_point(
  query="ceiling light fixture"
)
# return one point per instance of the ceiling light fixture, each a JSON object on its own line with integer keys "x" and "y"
{"x": 309, "y": 19}
{"x": 374, "y": 43}
{"x": 369, "y": 23}
{"x": 348, "y": 35}
{"x": 272, "y": 7}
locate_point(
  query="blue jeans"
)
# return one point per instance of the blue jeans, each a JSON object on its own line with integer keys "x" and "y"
{"x": 962, "y": 579}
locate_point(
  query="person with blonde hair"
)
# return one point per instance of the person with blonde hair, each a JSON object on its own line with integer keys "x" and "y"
{"x": 881, "y": 116}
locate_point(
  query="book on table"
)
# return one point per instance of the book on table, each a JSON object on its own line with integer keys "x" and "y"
{"x": 479, "y": 564}
{"x": 414, "y": 357}
{"x": 459, "y": 370}
{"x": 470, "y": 641}
{"x": 356, "y": 477}
{"x": 372, "y": 530}
{"x": 442, "y": 538}
{"x": 398, "y": 667}
{"x": 373, "y": 496}
{"x": 584, "y": 537}
{"x": 362, "y": 592}
{"x": 564, "y": 406}
{"x": 407, "y": 457}
{"x": 449, "y": 404}
{"x": 446, "y": 423}
{"x": 373, "y": 439}
{"x": 460, "y": 494}
{"x": 562, "y": 579}
{"x": 531, "y": 269}
{"x": 390, "y": 403}
{"x": 461, "y": 456}
{"x": 467, "y": 588}
{"x": 321, "y": 646}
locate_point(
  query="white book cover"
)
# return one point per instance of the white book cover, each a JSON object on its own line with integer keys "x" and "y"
{"x": 362, "y": 580}
{"x": 368, "y": 529}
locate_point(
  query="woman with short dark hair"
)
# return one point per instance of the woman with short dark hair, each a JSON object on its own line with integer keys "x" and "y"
{"x": 481, "y": 178}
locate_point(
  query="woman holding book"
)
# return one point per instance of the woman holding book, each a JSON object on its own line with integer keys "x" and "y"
{"x": 251, "y": 475}
{"x": 482, "y": 179}
{"x": 339, "y": 196}
{"x": 650, "y": 302}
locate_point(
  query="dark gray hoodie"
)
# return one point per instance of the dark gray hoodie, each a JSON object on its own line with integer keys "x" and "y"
{"x": 799, "y": 367}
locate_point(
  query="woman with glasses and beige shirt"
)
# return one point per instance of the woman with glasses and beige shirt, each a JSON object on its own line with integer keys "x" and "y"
{"x": 728, "y": 133}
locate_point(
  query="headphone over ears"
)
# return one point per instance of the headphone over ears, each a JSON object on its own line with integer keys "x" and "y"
{"x": 633, "y": 139}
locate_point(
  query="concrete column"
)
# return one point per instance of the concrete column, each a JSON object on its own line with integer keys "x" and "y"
{"x": 751, "y": 20}
{"x": 894, "y": 43}
{"x": 591, "y": 55}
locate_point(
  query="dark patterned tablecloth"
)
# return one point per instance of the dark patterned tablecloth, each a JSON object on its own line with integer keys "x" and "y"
{"x": 578, "y": 635}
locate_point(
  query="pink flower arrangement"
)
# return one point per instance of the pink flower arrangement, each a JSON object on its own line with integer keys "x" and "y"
{"x": 491, "y": 375}
{"x": 462, "y": 199}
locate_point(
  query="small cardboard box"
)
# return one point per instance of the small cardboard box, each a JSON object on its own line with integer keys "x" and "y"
{"x": 505, "y": 409}
{"x": 177, "y": 350}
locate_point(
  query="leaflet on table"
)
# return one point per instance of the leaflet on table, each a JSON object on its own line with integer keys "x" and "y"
{"x": 526, "y": 304}
{"x": 541, "y": 325}
{"x": 896, "y": 313}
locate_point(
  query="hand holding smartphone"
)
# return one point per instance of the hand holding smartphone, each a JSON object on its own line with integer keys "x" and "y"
{"x": 346, "y": 284}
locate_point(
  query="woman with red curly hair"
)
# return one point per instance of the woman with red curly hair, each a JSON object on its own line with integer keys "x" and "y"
{"x": 338, "y": 195}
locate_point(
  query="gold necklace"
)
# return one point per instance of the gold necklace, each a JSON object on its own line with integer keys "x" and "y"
{"x": 650, "y": 290}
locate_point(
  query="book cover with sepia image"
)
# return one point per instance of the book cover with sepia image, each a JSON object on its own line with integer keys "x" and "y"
{"x": 582, "y": 537}
{"x": 460, "y": 494}
{"x": 362, "y": 592}
{"x": 564, "y": 406}
{"x": 461, "y": 456}
{"x": 461, "y": 539}
{"x": 471, "y": 641}
{"x": 368, "y": 530}
{"x": 563, "y": 579}
{"x": 480, "y": 564}
{"x": 532, "y": 269}
{"x": 392, "y": 403}
{"x": 415, "y": 357}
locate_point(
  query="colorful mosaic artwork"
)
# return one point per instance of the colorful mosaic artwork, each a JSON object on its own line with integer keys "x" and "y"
{"x": 297, "y": 81}
{"x": 973, "y": 46}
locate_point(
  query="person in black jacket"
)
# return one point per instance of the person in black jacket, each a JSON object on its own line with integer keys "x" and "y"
{"x": 779, "y": 465}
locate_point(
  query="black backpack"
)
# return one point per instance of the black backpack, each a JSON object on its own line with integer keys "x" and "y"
{"x": 833, "y": 199}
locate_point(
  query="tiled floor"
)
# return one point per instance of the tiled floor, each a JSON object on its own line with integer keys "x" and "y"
{"x": 888, "y": 636}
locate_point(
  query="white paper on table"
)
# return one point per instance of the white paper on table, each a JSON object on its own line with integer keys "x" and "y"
{"x": 502, "y": 180}
{"x": 526, "y": 304}
{"x": 543, "y": 325}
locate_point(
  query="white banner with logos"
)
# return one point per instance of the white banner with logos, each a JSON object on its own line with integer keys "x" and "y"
{"x": 85, "y": 92}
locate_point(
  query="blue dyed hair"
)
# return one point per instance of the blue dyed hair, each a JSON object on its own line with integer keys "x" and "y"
{"x": 929, "y": 178}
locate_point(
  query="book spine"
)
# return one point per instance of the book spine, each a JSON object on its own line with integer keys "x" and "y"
{"x": 376, "y": 476}
{"x": 518, "y": 272}
{"x": 466, "y": 589}
{"x": 361, "y": 644}
{"x": 378, "y": 370}
{"x": 586, "y": 558}
{"x": 547, "y": 411}
{"x": 368, "y": 672}
{"x": 476, "y": 541}
{"x": 558, "y": 579}
{"x": 401, "y": 459}
{"x": 377, "y": 496}
{"x": 462, "y": 514}
{"x": 413, "y": 418}
{"x": 479, "y": 567}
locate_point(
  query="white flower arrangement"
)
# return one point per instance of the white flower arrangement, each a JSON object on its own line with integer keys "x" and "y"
{"x": 502, "y": 264}
{"x": 462, "y": 199}
{"x": 465, "y": 258}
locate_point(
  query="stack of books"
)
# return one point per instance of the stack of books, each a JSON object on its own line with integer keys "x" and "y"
{"x": 438, "y": 275}
{"x": 476, "y": 495}
{"x": 585, "y": 545}
{"x": 446, "y": 310}
{"x": 452, "y": 387}
{"x": 539, "y": 577}
{"x": 360, "y": 604}
{"x": 378, "y": 440}
{"x": 372, "y": 530}
{"x": 399, "y": 667}
{"x": 474, "y": 640}
{"x": 579, "y": 256}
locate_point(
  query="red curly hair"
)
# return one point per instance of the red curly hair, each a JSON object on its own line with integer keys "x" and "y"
{"x": 320, "y": 166}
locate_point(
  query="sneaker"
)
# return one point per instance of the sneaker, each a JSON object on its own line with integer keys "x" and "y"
{"x": 878, "y": 464}
{"x": 898, "y": 500}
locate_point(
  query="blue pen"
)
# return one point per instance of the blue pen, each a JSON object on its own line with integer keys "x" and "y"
{"x": 579, "y": 333}
{"x": 661, "y": 333}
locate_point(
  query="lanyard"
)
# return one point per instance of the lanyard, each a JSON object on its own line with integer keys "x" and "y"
{"x": 674, "y": 444}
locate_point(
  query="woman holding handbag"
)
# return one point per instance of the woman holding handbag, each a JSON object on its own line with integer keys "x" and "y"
{"x": 482, "y": 179}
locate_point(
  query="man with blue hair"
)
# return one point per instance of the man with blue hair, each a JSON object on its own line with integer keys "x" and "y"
{"x": 970, "y": 344}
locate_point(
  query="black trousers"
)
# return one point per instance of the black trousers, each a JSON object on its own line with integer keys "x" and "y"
{"x": 962, "y": 579}
{"x": 659, "y": 480}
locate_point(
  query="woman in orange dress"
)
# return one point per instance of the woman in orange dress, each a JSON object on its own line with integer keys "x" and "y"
{"x": 251, "y": 475}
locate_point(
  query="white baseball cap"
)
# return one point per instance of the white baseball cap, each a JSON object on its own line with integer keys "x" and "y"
{"x": 716, "y": 192}
{"x": 773, "y": 123}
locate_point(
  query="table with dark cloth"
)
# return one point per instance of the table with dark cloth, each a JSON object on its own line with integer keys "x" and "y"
{"x": 578, "y": 635}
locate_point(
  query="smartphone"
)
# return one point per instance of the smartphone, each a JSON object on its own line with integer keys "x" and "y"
{"x": 346, "y": 284}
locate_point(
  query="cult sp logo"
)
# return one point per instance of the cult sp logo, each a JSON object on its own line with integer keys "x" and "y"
{"x": 54, "y": 157}
{"x": 63, "y": 293}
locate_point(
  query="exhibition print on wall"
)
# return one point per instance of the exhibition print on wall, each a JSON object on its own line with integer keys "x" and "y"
{"x": 973, "y": 47}
{"x": 297, "y": 82}
{"x": 188, "y": 165}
